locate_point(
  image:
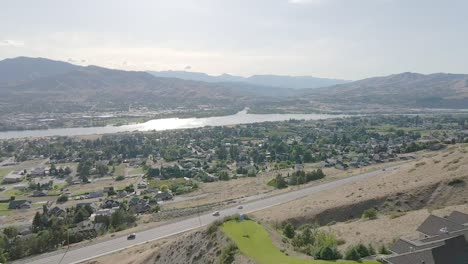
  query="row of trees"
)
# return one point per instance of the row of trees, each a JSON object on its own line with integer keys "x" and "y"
{"x": 323, "y": 245}
{"x": 297, "y": 178}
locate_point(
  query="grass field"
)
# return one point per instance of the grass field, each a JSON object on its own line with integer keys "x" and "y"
{"x": 4, "y": 172}
{"x": 119, "y": 170}
{"x": 4, "y": 209}
{"x": 254, "y": 242}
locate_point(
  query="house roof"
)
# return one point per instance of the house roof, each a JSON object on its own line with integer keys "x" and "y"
{"x": 435, "y": 225}
{"x": 458, "y": 217}
{"x": 18, "y": 203}
{"x": 454, "y": 251}
{"x": 417, "y": 257}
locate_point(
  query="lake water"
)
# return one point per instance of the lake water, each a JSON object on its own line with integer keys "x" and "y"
{"x": 165, "y": 124}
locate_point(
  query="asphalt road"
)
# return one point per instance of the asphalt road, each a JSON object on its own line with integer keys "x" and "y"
{"x": 116, "y": 244}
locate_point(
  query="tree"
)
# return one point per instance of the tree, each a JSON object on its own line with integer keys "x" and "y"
{"x": 362, "y": 250}
{"x": 306, "y": 236}
{"x": 224, "y": 176}
{"x": 69, "y": 180}
{"x": 164, "y": 188}
{"x": 37, "y": 223}
{"x": 80, "y": 215}
{"x": 289, "y": 231}
{"x": 352, "y": 254}
{"x": 371, "y": 250}
{"x": 62, "y": 198}
{"x": 383, "y": 250}
{"x": 329, "y": 253}
{"x": 280, "y": 182}
{"x": 10, "y": 231}
{"x": 102, "y": 169}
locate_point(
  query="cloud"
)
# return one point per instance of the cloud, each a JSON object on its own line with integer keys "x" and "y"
{"x": 11, "y": 43}
{"x": 303, "y": 2}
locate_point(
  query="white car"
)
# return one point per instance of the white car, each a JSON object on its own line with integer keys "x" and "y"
{"x": 215, "y": 213}
{"x": 131, "y": 236}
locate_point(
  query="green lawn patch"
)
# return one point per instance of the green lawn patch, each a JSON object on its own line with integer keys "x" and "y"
{"x": 119, "y": 169}
{"x": 13, "y": 192}
{"x": 4, "y": 172}
{"x": 138, "y": 170}
{"x": 253, "y": 241}
{"x": 4, "y": 209}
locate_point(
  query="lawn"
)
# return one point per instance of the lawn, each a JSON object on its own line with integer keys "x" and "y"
{"x": 4, "y": 209}
{"x": 4, "y": 172}
{"x": 13, "y": 192}
{"x": 138, "y": 170}
{"x": 253, "y": 241}
{"x": 119, "y": 170}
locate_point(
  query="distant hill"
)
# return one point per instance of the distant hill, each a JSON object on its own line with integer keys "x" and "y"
{"x": 42, "y": 83}
{"x": 438, "y": 90}
{"x": 279, "y": 81}
{"x": 24, "y": 69}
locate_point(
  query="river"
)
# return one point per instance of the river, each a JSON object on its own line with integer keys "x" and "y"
{"x": 241, "y": 117}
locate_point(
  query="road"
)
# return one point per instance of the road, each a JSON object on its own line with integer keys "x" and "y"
{"x": 116, "y": 244}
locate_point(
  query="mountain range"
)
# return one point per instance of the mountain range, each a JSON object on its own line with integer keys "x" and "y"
{"x": 438, "y": 90}
{"x": 279, "y": 81}
{"x": 42, "y": 85}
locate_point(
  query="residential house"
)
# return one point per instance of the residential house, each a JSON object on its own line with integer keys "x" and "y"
{"x": 96, "y": 194}
{"x": 37, "y": 172}
{"x": 444, "y": 240}
{"x": 56, "y": 211}
{"x": 39, "y": 193}
{"x": 163, "y": 196}
{"x": 13, "y": 177}
{"x": 110, "y": 204}
{"x": 19, "y": 204}
{"x": 142, "y": 185}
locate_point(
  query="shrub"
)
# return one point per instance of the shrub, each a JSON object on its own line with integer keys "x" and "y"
{"x": 213, "y": 227}
{"x": 62, "y": 198}
{"x": 228, "y": 253}
{"x": 120, "y": 178}
{"x": 455, "y": 182}
{"x": 370, "y": 214}
{"x": 384, "y": 251}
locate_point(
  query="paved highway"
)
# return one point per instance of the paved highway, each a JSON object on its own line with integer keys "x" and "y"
{"x": 110, "y": 246}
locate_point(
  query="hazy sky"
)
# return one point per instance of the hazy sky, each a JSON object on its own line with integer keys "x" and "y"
{"x": 349, "y": 39}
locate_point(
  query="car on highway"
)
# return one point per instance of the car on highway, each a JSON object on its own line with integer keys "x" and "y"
{"x": 131, "y": 236}
{"x": 240, "y": 207}
{"x": 215, "y": 213}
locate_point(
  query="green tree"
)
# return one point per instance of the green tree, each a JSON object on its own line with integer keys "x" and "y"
{"x": 62, "y": 198}
{"x": 371, "y": 250}
{"x": 352, "y": 254}
{"x": 383, "y": 250}
{"x": 362, "y": 250}
{"x": 289, "y": 231}
{"x": 37, "y": 223}
{"x": 280, "y": 182}
{"x": 329, "y": 253}
{"x": 10, "y": 232}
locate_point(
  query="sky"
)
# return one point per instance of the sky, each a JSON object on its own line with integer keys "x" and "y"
{"x": 347, "y": 39}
